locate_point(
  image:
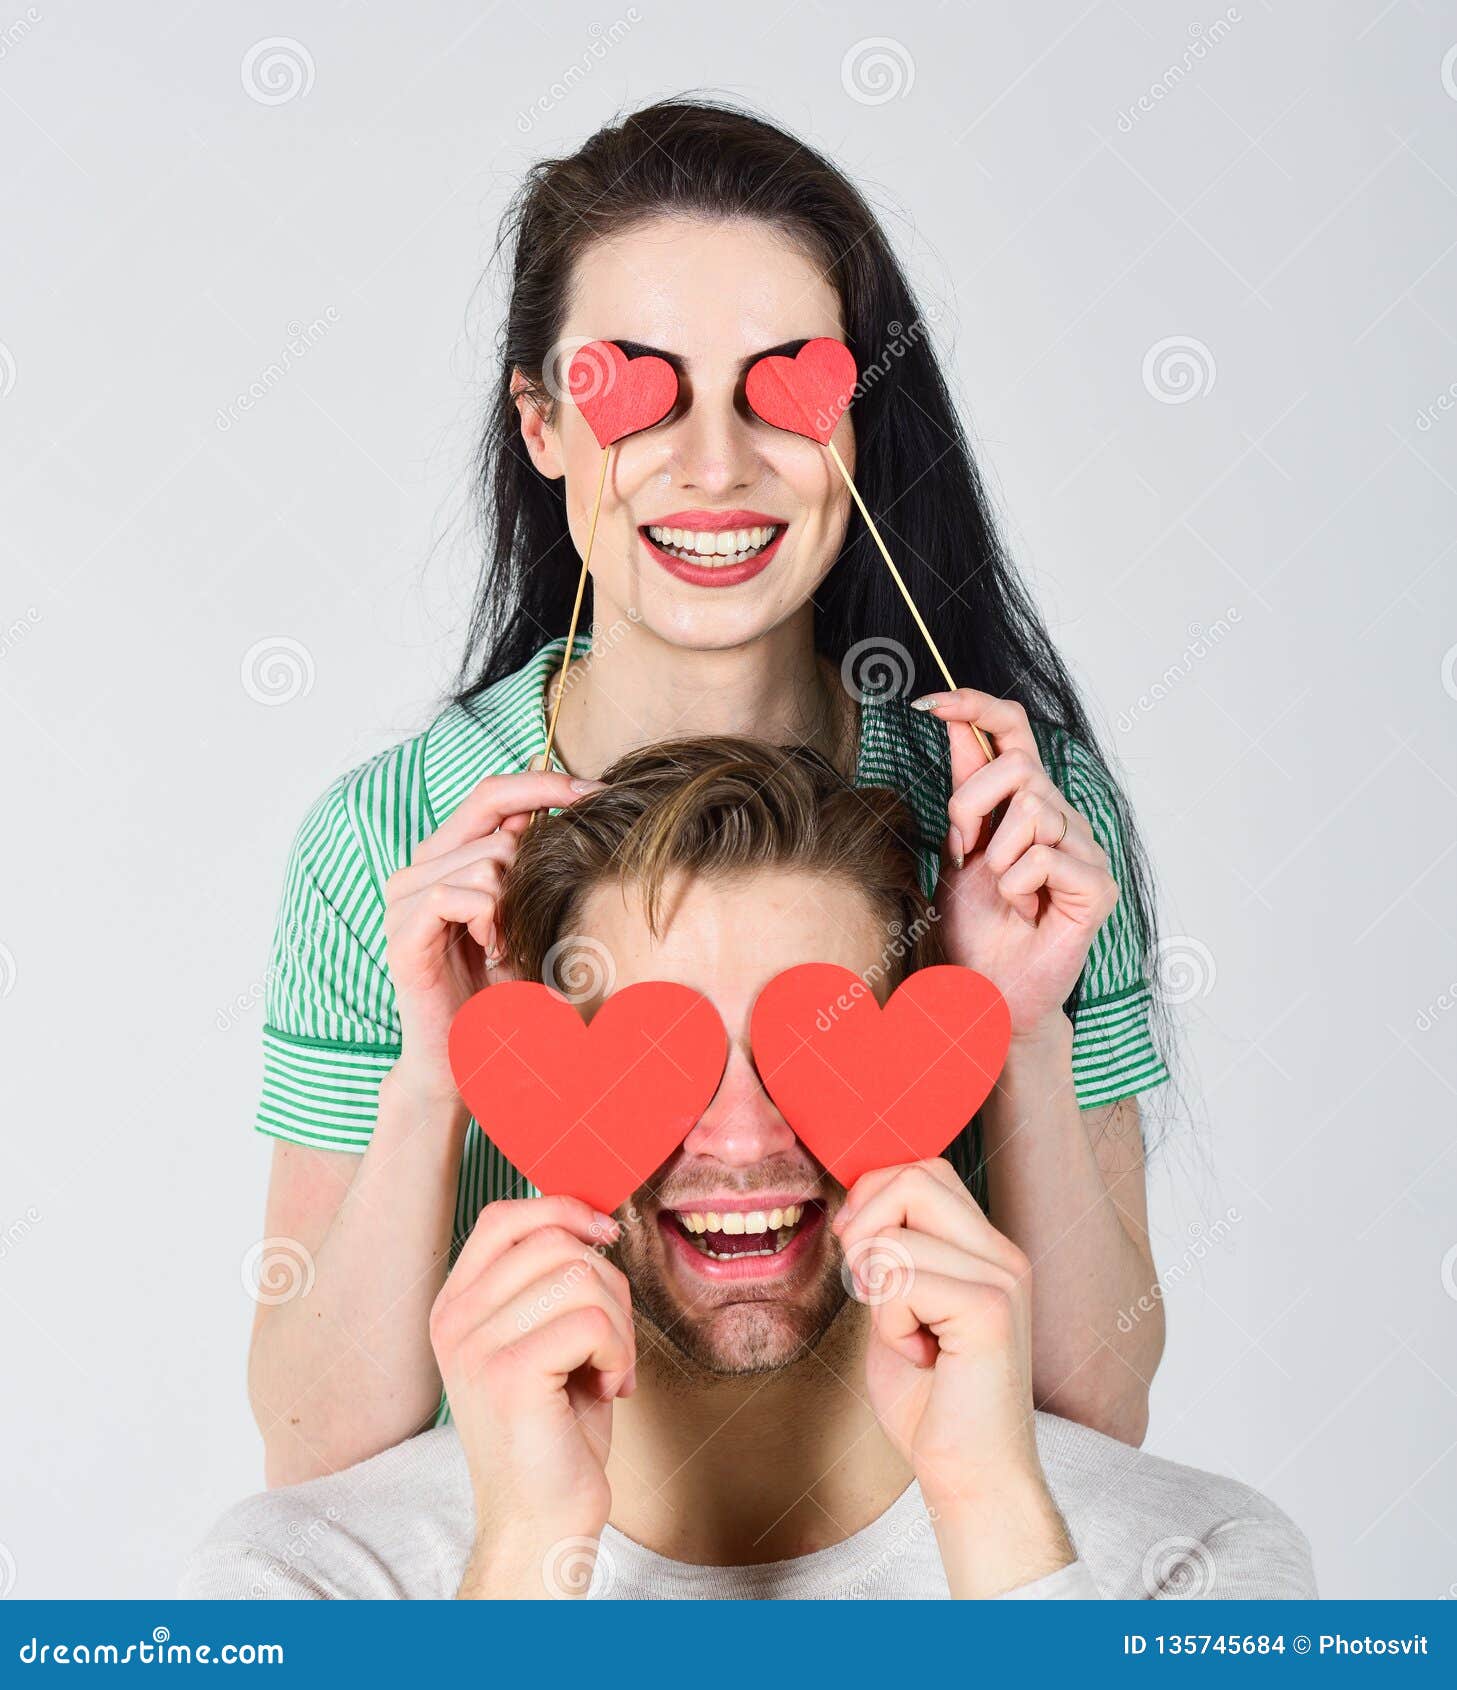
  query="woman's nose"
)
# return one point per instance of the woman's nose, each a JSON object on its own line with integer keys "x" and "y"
{"x": 741, "y": 1126}
{"x": 714, "y": 446}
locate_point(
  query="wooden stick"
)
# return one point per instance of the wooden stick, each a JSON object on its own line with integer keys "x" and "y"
{"x": 561, "y": 685}
{"x": 895, "y": 575}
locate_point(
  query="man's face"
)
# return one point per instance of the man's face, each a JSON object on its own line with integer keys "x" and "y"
{"x": 726, "y": 1247}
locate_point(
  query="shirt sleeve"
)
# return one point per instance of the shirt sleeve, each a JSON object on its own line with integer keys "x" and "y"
{"x": 1114, "y": 1053}
{"x": 1072, "y": 1583}
{"x": 1261, "y": 1559}
{"x": 331, "y": 1032}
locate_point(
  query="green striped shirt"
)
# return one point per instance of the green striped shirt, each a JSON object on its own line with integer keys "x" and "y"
{"x": 332, "y": 1030}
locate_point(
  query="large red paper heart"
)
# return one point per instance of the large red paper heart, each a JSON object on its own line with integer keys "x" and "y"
{"x": 806, "y": 394}
{"x": 619, "y": 395}
{"x": 866, "y": 1087}
{"x": 585, "y": 1109}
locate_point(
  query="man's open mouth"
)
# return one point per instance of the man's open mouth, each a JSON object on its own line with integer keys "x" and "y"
{"x": 743, "y": 1233}
{"x": 713, "y": 548}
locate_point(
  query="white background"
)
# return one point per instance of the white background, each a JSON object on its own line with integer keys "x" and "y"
{"x": 1288, "y": 201}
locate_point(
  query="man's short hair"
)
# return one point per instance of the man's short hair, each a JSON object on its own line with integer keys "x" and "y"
{"x": 705, "y": 807}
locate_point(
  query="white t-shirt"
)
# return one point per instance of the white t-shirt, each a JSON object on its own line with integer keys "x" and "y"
{"x": 401, "y": 1526}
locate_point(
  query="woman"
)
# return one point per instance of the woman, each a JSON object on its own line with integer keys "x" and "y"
{"x": 711, "y": 238}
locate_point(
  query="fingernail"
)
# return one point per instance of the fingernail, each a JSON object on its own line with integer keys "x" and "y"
{"x": 605, "y": 1223}
{"x": 929, "y": 702}
{"x": 588, "y": 785}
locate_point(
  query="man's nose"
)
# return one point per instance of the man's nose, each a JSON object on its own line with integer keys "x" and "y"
{"x": 741, "y": 1126}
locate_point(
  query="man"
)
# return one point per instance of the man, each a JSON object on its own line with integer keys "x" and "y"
{"x": 749, "y": 1383}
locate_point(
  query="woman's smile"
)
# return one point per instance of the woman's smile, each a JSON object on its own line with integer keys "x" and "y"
{"x": 714, "y": 548}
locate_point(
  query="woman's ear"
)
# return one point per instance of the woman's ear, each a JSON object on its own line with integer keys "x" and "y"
{"x": 533, "y": 408}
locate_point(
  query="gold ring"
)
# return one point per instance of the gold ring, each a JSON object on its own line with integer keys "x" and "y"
{"x": 1063, "y": 835}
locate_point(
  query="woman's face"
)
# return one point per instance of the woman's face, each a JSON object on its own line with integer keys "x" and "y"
{"x": 715, "y": 527}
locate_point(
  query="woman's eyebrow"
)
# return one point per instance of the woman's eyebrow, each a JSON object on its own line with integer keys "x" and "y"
{"x": 785, "y": 349}
{"x": 637, "y": 349}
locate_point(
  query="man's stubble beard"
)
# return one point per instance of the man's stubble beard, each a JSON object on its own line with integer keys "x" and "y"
{"x": 739, "y": 1339}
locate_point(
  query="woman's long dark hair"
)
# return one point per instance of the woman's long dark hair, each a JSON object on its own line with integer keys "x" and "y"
{"x": 914, "y": 465}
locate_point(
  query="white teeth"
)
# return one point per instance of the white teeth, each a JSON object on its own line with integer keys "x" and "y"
{"x": 730, "y": 544}
{"x": 754, "y": 1221}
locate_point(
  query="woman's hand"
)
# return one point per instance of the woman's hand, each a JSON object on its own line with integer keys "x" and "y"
{"x": 440, "y": 916}
{"x": 1020, "y": 901}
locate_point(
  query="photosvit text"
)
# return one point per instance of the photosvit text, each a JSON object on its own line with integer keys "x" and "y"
{"x": 1235, "y": 1643}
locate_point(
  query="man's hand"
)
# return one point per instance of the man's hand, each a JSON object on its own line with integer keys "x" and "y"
{"x": 949, "y": 1370}
{"x": 533, "y": 1334}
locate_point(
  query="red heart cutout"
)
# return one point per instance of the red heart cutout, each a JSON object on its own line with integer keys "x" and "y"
{"x": 619, "y": 395}
{"x": 584, "y": 1109}
{"x": 806, "y": 394}
{"x": 866, "y": 1087}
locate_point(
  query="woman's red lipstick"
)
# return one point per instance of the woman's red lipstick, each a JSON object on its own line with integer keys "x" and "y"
{"x": 706, "y": 574}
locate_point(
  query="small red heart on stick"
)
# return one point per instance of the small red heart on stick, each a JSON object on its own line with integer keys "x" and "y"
{"x": 806, "y": 394}
{"x": 619, "y": 395}
{"x": 584, "y": 1109}
{"x": 866, "y": 1087}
